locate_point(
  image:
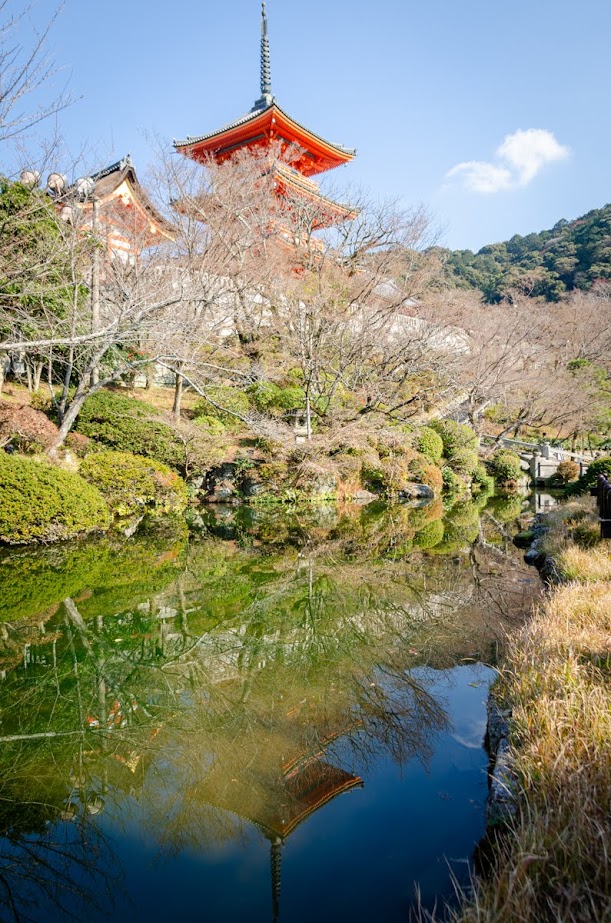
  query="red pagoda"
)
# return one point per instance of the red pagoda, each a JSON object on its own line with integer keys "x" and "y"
{"x": 296, "y": 153}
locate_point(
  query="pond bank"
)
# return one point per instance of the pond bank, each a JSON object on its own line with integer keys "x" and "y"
{"x": 552, "y": 860}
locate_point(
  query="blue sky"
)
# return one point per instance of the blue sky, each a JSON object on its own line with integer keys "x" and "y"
{"x": 494, "y": 114}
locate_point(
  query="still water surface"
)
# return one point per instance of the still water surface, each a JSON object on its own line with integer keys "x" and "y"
{"x": 280, "y": 717}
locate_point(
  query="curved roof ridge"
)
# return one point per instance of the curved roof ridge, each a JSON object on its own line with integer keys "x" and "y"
{"x": 251, "y": 116}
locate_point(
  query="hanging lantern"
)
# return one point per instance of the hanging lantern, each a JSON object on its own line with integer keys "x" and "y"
{"x": 56, "y": 183}
{"x": 85, "y": 187}
{"x": 67, "y": 214}
{"x": 29, "y": 178}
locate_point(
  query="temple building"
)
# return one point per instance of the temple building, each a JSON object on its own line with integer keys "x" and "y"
{"x": 114, "y": 203}
{"x": 295, "y": 153}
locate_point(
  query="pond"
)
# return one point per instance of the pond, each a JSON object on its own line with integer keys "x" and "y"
{"x": 277, "y": 715}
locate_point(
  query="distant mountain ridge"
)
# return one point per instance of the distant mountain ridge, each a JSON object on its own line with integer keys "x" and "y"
{"x": 571, "y": 255}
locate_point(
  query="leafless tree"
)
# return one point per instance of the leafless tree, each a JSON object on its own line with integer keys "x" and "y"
{"x": 24, "y": 69}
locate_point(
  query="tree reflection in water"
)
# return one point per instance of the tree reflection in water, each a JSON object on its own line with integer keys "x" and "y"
{"x": 201, "y": 685}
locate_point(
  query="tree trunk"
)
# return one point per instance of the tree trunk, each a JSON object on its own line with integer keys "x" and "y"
{"x": 308, "y": 418}
{"x": 178, "y": 389}
{"x": 4, "y": 367}
{"x": 38, "y": 368}
{"x": 95, "y": 285}
{"x": 67, "y": 422}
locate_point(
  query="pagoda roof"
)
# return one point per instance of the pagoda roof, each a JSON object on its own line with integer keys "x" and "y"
{"x": 261, "y": 127}
{"x": 327, "y": 211}
{"x": 277, "y": 805}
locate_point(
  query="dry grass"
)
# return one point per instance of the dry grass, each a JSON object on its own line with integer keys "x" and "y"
{"x": 553, "y": 863}
{"x": 585, "y": 565}
{"x": 566, "y": 519}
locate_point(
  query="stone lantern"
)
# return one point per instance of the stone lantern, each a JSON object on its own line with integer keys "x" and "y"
{"x": 298, "y": 420}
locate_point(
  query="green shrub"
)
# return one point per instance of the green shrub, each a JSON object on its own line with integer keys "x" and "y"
{"x": 125, "y": 424}
{"x": 214, "y": 426}
{"x": 131, "y": 483}
{"x": 464, "y": 461}
{"x": 481, "y": 480}
{"x": 455, "y": 436}
{"x": 504, "y": 466}
{"x": 103, "y": 405}
{"x": 430, "y": 443}
{"x": 270, "y": 398}
{"x": 388, "y": 475}
{"x": 452, "y": 483}
{"x": 275, "y": 475}
{"x": 391, "y": 443}
{"x": 589, "y": 478}
{"x": 228, "y": 401}
{"x": 40, "y": 503}
{"x": 431, "y": 535}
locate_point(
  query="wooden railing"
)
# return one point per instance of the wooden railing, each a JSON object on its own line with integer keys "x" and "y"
{"x": 603, "y": 501}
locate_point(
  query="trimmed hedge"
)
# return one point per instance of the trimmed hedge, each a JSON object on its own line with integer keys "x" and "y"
{"x": 131, "y": 483}
{"x": 126, "y": 424}
{"x": 40, "y": 503}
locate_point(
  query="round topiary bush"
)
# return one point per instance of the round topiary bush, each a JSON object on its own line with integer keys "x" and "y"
{"x": 131, "y": 483}
{"x": 430, "y": 443}
{"x": 40, "y": 503}
{"x": 464, "y": 461}
{"x": 567, "y": 471}
{"x": 504, "y": 466}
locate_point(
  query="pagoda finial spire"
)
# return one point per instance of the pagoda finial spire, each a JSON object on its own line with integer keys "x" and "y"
{"x": 266, "y": 98}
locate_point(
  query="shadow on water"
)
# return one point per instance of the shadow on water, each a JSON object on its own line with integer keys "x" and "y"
{"x": 180, "y": 712}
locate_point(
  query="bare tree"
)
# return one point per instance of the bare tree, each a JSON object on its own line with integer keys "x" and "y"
{"x": 24, "y": 70}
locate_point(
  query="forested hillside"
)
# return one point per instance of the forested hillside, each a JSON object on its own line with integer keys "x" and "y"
{"x": 573, "y": 254}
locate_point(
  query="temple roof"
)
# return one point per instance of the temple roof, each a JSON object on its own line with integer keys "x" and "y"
{"x": 277, "y": 804}
{"x": 261, "y": 127}
{"x": 325, "y": 211}
{"x": 107, "y": 184}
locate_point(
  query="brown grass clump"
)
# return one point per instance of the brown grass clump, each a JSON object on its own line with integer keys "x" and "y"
{"x": 553, "y": 863}
{"x": 586, "y": 565}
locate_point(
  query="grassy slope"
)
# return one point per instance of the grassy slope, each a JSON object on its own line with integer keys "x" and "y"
{"x": 555, "y": 861}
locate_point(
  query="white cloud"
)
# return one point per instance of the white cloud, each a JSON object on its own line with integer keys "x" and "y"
{"x": 479, "y": 176}
{"x": 520, "y": 158}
